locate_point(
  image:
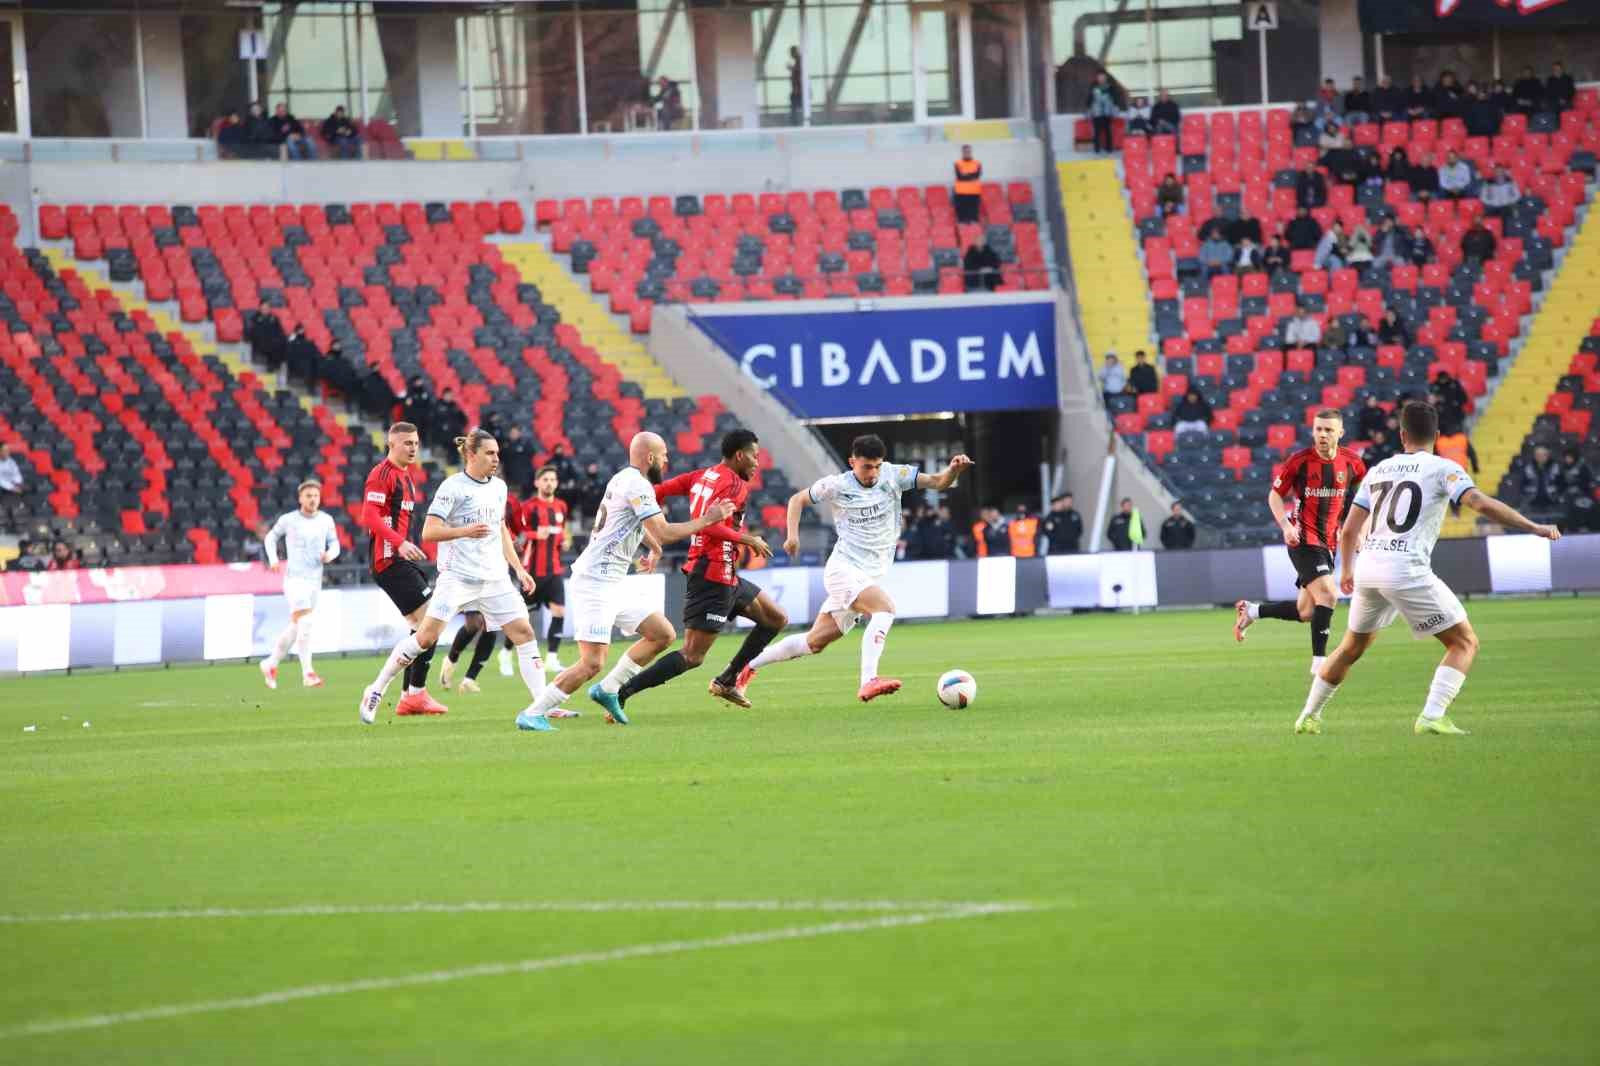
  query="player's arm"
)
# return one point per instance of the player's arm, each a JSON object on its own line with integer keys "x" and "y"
{"x": 791, "y": 525}
{"x": 330, "y": 544}
{"x": 676, "y": 486}
{"x": 270, "y": 544}
{"x": 947, "y": 477}
{"x": 666, "y": 532}
{"x": 1355, "y": 521}
{"x": 508, "y": 548}
{"x": 652, "y": 553}
{"x": 1282, "y": 485}
{"x": 372, "y": 521}
{"x": 1506, "y": 515}
{"x": 725, "y": 531}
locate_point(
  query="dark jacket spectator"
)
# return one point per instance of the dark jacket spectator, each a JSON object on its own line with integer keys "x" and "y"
{"x": 1576, "y": 477}
{"x": 341, "y": 135}
{"x": 1310, "y": 188}
{"x": 1389, "y": 101}
{"x": 377, "y": 395}
{"x": 1192, "y": 413}
{"x": 1142, "y": 378}
{"x": 1372, "y": 418}
{"x": 1559, "y": 89}
{"x": 301, "y": 356}
{"x": 1125, "y": 530}
{"x": 1062, "y": 527}
{"x": 1478, "y": 243}
{"x": 1170, "y": 191}
{"x": 1482, "y": 115}
{"x": 1419, "y": 101}
{"x": 290, "y": 132}
{"x": 1392, "y": 330}
{"x": 1165, "y": 114}
{"x": 1275, "y": 256}
{"x": 1448, "y": 99}
{"x": 1527, "y": 92}
{"x": 233, "y": 137}
{"x": 1303, "y": 232}
{"x": 980, "y": 267}
{"x": 262, "y": 142}
{"x": 1244, "y": 226}
{"x": 1357, "y": 103}
{"x": 938, "y": 534}
{"x": 1543, "y": 481}
{"x": 335, "y": 369}
{"x": 1399, "y": 166}
{"x": 267, "y": 339}
{"x": 1177, "y": 532}
{"x": 516, "y": 459}
{"x": 1452, "y": 400}
{"x": 1502, "y": 97}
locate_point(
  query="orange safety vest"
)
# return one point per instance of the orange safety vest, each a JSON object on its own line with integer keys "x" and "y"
{"x": 1022, "y": 532}
{"x": 968, "y": 171}
{"x": 981, "y": 545}
{"x": 1453, "y": 447}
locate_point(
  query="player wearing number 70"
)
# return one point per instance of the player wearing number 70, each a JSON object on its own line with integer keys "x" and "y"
{"x": 1388, "y": 569}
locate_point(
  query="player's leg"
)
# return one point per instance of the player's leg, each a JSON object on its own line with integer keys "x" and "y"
{"x": 696, "y": 642}
{"x": 1433, "y": 608}
{"x": 280, "y": 651}
{"x": 480, "y": 655}
{"x": 769, "y": 620}
{"x": 655, "y": 636}
{"x": 592, "y": 616}
{"x": 1310, "y": 565}
{"x": 1320, "y": 595}
{"x": 301, "y": 620}
{"x": 400, "y": 659}
{"x": 558, "y": 620}
{"x": 471, "y": 626}
{"x": 875, "y": 603}
{"x": 417, "y": 672}
{"x": 1370, "y": 611}
{"x": 824, "y": 631}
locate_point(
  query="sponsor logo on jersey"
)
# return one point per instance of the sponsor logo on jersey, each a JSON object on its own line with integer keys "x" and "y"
{"x": 1326, "y": 493}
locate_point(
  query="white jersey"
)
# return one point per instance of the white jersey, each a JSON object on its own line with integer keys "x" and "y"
{"x": 867, "y": 520}
{"x": 305, "y": 542}
{"x": 619, "y": 527}
{"x": 464, "y": 501}
{"x": 1406, "y": 495}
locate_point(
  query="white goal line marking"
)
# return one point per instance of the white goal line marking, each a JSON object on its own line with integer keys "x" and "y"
{"x": 319, "y": 910}
{"x": 505, "y": 969}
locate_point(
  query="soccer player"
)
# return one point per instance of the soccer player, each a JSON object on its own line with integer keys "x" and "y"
{"x": 467, "y": 520}
{"x": 392, "y": 498}
{"x": 1405, "y": 497}
{"x": 717, "y": 594}
{"x": 866, "y": 509}
{"x": 1322, "y": 479}
{"x": 629, "y": 515}
{"x": 310, "y": 541}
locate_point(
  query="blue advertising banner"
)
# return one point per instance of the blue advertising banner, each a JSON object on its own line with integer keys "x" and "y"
{"x": 893, "y": 361}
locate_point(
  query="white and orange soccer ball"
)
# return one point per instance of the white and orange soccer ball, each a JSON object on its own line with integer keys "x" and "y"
{"x": 957, "y": 689}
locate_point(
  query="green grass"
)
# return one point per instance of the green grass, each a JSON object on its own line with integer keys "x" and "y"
{"x": 1210, "y": 887}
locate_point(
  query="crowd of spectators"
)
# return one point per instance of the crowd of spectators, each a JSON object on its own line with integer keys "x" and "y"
{"x": 256, "y": 135}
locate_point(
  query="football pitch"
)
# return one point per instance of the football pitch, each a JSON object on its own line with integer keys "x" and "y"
{"x": 1120, "y": 854}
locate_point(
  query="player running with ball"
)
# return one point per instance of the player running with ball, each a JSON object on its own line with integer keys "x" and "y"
{"x": 866, "y": 509}
{"x": 310, "y": 541}
{"x": 1404, "y": 497}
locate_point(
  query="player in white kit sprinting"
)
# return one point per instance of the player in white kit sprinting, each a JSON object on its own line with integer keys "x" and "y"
{"x": 866, "y": 516}
{"x": 467, "y": 519}
{"x": 596, "y": 600}
{"x": 1405, "y": 496}
{"x": 310, "y": 541}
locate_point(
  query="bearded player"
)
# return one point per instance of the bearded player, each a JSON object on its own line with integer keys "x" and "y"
{"x": 716, "y": 593}
{"x": 1323, "y": 479}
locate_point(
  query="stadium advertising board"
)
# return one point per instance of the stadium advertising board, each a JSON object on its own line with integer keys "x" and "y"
{"x": 869, "y": 359}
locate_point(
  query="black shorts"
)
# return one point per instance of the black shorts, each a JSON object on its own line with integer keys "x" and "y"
{"x": 1310, "y": 563}
{"x": 547, "y": 592}
{"x": 709, "y": 605}
{"x": 406, "y": 585}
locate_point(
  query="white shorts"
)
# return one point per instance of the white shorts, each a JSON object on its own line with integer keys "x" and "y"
{"x": 1428, "y": 608}
{"x": 301, "y": 592}
{"x": 843, "y": 584}
{"x": 593, "y": 607}
{"x": 496, "y": 599}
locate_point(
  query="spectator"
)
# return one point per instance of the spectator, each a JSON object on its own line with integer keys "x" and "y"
{"x": 1527, "y": 93}
{"x": 63, "y": 557}
{"x": 1483, "y": 115}
{"x": 981, "y": 267}
{"x": 1379, "y": 447}
{"x": 1325, "y": 108}
{"x": 797, "y": 96}
{"x": 1332, "y": 248}
{"x": 291, "y": 133}
{"x": 1359, "y": 251}
{"x": 301, "y": 356}
{"x": 1275, "y": 256}
{"x": 1165, "y": 115}
{"x": 35, "y": 557}
{"x": 1388, "y": 247}
{"x": 1062, "y": 527}
{"x": 1126, "y": 531}
{"x": 1457, "y": 448}
{"x": 1455, "y": 177}
{"x": 1543, "y": 484}
{"x": 1392, "y": 330}
{"x": 1139, "y": 116}
{"x": 938, "y": 534}
{"x": 258, "y": 134}
{"x": 591, "y": 491}
{"x": 1022, "y": 533}
{"x": 448, "y": 421}
{"x": 377, "y": 395}
{"x": 1372, "y": 417}
{"x": 968, "y": 186}
{"x": 1170, "y": 192}
{"x": 566, "y": 469}
{"x": 1559, "y": 89}
{"x": 1478, "y": 243}
{"x": 1310, "y": 187}
{"x": 1245, "y": 226}
{"x": 1501, "y": 194}
{"x": 1303, "y": 126}
{"x": 11, "y": 480}
{"x": 1113, "y": 378}
{"x": 1102, "y": 104}
{"x": 1216, "y": 255}
{"x": 1248, "y": 258}
{"x": 1399, "y": 166}
{"x": 1576, "y": 477}
{"x": 1389, "y": 101}
{"x": 1421, "y": 246}
{"x": 516, "y": 460}
{"x": 1502, "y": 97}
{"x": 267, "y": 340}
{"x": 1192, "y": 415}
{"x": 1143, "y": 379}
{"x": 989, "y": 537}
{"x": 1419, "y": 101}
{"x": 1448, "y": 99}
{"x": 668, "y": 104}
{"x": 1358, "y": 107}
{"x": 1303, "y": 331}
{"x": 340, "y": 134}
{"x": 1177, "y": 532}
{"x": 335, "y": 370}
{"x": 233, "y": 138}
{"x": 1303, "y": 232}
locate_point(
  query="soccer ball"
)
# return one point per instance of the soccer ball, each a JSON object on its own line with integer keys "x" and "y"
{"x": 957, "y": 689}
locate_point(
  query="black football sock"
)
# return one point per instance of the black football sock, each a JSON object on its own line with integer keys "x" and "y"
{"x": 1321, "y": 623}
{"x": 659, "y": 672}
{"x": 1284, "y": 610}
{"x": 755, "y": 642}
{"x": 552, "y": 639}
{"x": 482, "y": 650}
{"x": 463, "y": 637}
{"x": 417, "y": 672}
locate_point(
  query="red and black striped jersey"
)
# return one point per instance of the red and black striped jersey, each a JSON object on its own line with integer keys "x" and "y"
{"x": 530, "y": 519}
{"x": 1323, "y": 488}
{"x": 394, "y": 494}
{"x": 714, "y": 551}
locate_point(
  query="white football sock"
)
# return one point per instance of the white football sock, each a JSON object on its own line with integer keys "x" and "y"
{"x": 280, "y": 650}
{"x": 552, "y": 697}
{"x": 620, "y": 674}
{"x": 532, "y": 668}
{"x": 790, "y": 647}
{"x": 303, "y": 647}
{"x": 1447, "y": 681}
{"x": 872, "y": 642}
{"x": 1321, "y": 693}
{"x": 403, "y": 655}
{"x": 1252, "y": 610}
{"x": 1316, "y": 664}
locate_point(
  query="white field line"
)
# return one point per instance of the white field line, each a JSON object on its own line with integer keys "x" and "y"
{"x": 507, "y": 969}
{"x": 319, "y": 910}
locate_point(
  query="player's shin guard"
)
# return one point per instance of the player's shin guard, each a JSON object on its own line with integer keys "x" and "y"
{"x": 485, "y": 648}
{"x": 872, "y": 644}
{"x": 755, "y": 642}
{"x": 528, "y": 664}
{"x": 792, "y": 647}
{"x": 417, "y": 672}
{"x": 659, "y": 672}
{"x": 401, "y": 658}
{"x": 1321, "y": 625}
{"x": 1283, "y": 610}
{"x": 1447, "y": 682}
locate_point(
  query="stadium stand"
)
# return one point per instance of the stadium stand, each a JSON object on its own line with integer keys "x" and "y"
{"x": 1223, "y": 334}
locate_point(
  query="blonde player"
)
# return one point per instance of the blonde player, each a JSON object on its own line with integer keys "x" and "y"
{"x": 310, "y": 542}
